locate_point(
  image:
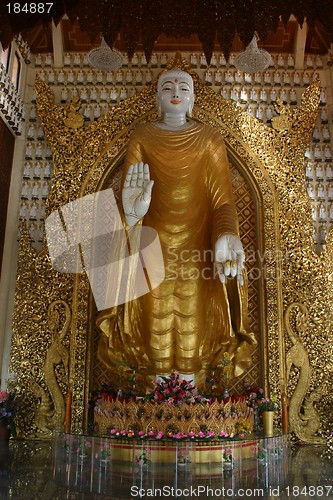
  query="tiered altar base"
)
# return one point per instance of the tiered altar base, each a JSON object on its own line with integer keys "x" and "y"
{"x": 230, "y": 417}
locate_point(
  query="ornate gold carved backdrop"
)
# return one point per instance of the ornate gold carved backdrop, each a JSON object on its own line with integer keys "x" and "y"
{"x": 51, "y": 339}
{"x": 248, "y": 211}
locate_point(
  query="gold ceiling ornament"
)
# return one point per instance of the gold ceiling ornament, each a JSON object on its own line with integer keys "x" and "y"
{"x": 105, "y": 58}
{"x": 253, "y": 59}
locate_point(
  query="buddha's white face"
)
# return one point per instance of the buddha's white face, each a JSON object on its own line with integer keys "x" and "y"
{"x": 176, "y": 96}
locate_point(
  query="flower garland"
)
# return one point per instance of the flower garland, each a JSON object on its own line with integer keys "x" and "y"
{"x": 179, "y": 436}
{"x": 256, "y": 399}
{"x": 9, "y": 407}
{"x": 175, "y": 391}
{"x": 227, "y": 456}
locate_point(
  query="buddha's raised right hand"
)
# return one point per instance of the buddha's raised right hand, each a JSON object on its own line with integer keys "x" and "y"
{"x": 136, "y": 194}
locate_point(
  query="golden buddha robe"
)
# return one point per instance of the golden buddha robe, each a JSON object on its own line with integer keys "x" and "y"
{"x": 186, "y": 324}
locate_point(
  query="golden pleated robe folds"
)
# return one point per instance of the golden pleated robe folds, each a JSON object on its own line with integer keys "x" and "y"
{"x": 188, "y": 321}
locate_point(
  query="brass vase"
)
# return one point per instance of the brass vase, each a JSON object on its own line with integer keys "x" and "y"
{"x": 268, "y": 417}
{"x": 4, "y": 444}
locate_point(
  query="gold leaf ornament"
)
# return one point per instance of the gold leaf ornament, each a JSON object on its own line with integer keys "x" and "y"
{"x": 72, "y": 119}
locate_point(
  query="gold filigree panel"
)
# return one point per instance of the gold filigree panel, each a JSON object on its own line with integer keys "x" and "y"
{"x": 41, "y": 340}
{"x": 270, "y": 161}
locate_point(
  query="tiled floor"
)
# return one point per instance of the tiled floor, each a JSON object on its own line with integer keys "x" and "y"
{"x": 29, "y": 472}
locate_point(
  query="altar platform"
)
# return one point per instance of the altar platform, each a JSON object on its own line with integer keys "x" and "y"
{"x": 173, "y": 467}
{"x": 195, "y": 453}
{"x": 33, "y": 471}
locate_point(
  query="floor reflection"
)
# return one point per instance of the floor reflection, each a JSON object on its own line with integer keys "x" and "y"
{"x": 28, "y": 472}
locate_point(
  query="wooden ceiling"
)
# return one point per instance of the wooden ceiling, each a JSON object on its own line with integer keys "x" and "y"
{"x": 147, "y": 25}
{"x": 282, "y": 40}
